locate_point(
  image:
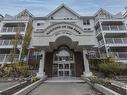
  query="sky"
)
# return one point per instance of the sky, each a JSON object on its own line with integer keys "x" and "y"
{"x": 44, "y": 7}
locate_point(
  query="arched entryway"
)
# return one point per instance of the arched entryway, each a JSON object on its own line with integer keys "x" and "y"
{"x": 63, "y": 62}
{"x": 64, "y": 55}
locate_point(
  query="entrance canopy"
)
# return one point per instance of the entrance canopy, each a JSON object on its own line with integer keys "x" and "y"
{"x": 64, "y": 40}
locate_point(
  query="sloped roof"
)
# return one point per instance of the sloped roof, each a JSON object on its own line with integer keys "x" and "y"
{"x": 26, "y": 12}
{"x": 63, "y": 6}
{"x": 118, "y": 15}
{"x": 102, "y": 10}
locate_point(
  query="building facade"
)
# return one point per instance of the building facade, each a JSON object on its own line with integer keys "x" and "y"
{"x": 64, "y": 40}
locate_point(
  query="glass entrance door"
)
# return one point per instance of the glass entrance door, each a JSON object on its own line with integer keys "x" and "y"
{"x": 63, "y": 64}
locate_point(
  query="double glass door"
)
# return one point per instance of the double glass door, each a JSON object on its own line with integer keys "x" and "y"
{"x": 63, "y": 69}
{"x": 63, "y": 64}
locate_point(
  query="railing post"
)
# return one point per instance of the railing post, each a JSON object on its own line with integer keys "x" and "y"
{"x": 6, "y": 29}
{"x": 2, "y": 42}
{"x": 122, "y": 41}
{"x": 109, "y": 27}
{"x": 12, "y": 29}
{"x": 4, "y": 58}
{"x": 9, "y": 42}
{"x": 118, "y": 27}
{"x": 113, "y": 40}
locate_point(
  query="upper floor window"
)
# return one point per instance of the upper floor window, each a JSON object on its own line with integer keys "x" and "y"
{"x": 86, "y": 22}
{"x": 67, "y": 18}
{"x": 87, "y": 28}
{"x": 40, "y": 24}
{"x": 52, "y": 18}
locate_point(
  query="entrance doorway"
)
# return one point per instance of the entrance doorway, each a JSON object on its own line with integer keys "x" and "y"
{"x": 63, "y": 63}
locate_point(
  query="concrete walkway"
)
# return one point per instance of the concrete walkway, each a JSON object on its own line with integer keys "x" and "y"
{"x": 5, "y": 85}
{"x": 64, "y": 89}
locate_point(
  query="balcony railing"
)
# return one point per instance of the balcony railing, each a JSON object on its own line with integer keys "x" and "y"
{"x": 13, "y": 29}
{"x": 111, "y": 28}
{"x": 114, "y": 55}
{"x": 8, "y": 42}
{"x": 121, "y": 55}
{"x": 4, "y": 58}
{"x": 114, "y": 41}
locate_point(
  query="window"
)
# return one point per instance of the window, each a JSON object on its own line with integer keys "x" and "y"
{"x": 87, "y": 28}
{"x": 86, "y": 22}
{"x": 40, "y": 24}
{"x": 51, "y": 17}
{"x": 40, "y": 30}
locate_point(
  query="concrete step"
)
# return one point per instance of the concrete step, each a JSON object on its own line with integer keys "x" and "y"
{"x": 56, "y": 79}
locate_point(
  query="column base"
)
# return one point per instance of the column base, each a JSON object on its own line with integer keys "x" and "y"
{"x": 40, "y": 75}
{"x": 87, "y": 74}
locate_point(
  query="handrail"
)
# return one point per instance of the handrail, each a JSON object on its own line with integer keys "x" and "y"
{"x": 8, "y": 42}
{"x": 13, "y": 29}
{"x": 6, "y": 57}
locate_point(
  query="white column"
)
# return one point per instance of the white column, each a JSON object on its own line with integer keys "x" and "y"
{"x": 87, "y": 72}
{"x": 41, "y": 73}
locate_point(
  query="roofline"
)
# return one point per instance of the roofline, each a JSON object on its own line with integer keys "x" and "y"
{"x": 100, "y": 10}
{"x": 40, "y": 18}
{"x": 87, "y": 16}
{"x": 63, "y": 5}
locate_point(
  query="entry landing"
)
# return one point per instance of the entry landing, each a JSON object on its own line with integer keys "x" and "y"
{"x": 65, "y": 79}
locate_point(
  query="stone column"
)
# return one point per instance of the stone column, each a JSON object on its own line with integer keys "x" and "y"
{"x": 87, "y": 72}
{"x": 41, "y": 73}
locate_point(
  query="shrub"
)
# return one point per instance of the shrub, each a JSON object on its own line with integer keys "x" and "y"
{"x": 108, "y": 67}
{"x": 111, "y": 69}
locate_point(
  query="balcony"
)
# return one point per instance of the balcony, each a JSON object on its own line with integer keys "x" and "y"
{"x": 8, "y": 43}
{"x": 112, "y": 28}
{"x": 5, "y": 58}
{"x": 118, "y": 56}
{"x": 121, "y": 57}
{"x": 114, "y": 42}
{"x": 12, "y": 30}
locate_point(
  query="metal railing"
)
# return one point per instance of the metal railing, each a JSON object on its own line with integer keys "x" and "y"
{"x": 8, "y": 42}
{"x": 111, "y": 28}
{"x": 113, "y": 41}
{"x": 121, "y": 55}
{"x": 4, "y": 58}
{"x": 114, "y": 55}
{"x": 13, "y": 29}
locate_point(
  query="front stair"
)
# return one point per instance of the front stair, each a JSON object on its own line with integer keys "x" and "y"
{"x": 65, "y": 79}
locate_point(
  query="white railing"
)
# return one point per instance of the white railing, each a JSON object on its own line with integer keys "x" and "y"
{"x": 97, "y": 56}
{"x": 8, "y": 42}
{"x": 113, "y": 41}
{"x": 116, "y": 40}
{"x": 4, "y": 58}
{"x": 121, "y": 55}
{"x": 114, "y": 55}
{"x": 111, "y": 28}
{"x": 13, "y": 29}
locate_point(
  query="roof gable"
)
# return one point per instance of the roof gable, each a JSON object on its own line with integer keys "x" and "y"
{"x": 24, "y": 13}
{"x": 63, "y": 7}
{"x": 103, "y": 13}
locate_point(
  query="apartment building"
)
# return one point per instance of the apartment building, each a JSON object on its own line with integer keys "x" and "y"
{"x": 10, "y": 25}
{"x": 63, "y": 41}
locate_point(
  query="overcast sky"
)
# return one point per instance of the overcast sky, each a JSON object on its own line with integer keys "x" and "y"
{"x": 43, "y": 7}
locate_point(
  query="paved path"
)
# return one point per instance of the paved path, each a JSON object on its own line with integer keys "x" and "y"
{"x": 64, "y": 89}
{"x": 4, "y": 85}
